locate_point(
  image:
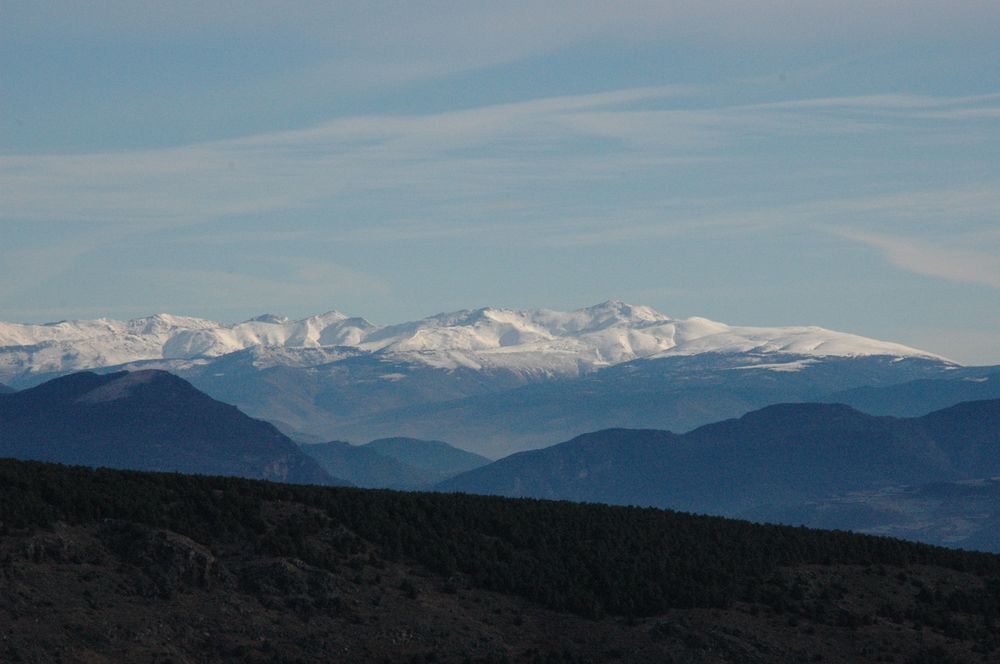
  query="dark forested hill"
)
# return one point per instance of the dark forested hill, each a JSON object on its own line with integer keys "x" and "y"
{"x": 104, "y": 565}
{"x": 148, "y": 420}
{"x": 762, "y": 465}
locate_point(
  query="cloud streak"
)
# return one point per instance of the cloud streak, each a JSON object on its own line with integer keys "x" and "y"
{"x": 291, "y": 169}
{"x": 959, "y": 265}
{"x": 430, "y": 160}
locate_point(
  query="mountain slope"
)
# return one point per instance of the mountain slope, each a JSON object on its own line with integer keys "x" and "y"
{"x": 148, "y": 420}
{"x": 675, "y": 393}
{"x": 366, "y": 467}
{"x": 532, "y": 342}
{"x": 433, "y": 456}
{"x": 4, "y": 389}
{"x": 764, "y": 465}
{"x": 393, "y": 463}
{"x": 919, "y": 397}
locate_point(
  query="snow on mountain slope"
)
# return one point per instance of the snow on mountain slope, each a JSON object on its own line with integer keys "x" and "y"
{"x": 698, "y": 335}
{"x": 529, "y": 341}
{"x": 329, "y": 329}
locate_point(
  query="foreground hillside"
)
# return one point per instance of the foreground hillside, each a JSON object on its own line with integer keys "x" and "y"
{"x": 103, "y": 566}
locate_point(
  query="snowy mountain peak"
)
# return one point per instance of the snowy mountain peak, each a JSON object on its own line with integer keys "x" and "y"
{"x": 165, "y": 323}
{"x": 625, "y": 311}
{"x": 530, "y": 340}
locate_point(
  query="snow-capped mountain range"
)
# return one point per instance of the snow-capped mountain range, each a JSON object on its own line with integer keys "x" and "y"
{"x": 539, "y": 341}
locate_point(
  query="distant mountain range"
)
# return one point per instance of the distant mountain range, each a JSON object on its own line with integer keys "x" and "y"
{"x": 673, "y": 393}
{"x": 494, "y": 381}
{"x": 395, "y": 463}
{"x": 825, "y": 465}
{"x": 919, "y": 397}
{"x": 794, "y": 463}
{"x": 431, "y": 456}
{"x": 146, "y": 420}
{"x": 153, "y": 420}
{"x": 4, "y": 389}
{"x": 528, "y": 341}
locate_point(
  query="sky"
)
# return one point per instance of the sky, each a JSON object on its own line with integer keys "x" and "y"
{"x": 754, "y": 162}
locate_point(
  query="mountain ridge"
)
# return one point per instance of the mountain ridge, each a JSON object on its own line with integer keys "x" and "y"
{"x": 768, "y": 464}
{"x": 431, "y": 455}
{"x": 562, "y": 343}
{"x": 677, "y": 393}
{"x": 149, "y": 420}
{"x": 393, "y": 463}
{"x": 364, "y": 467}
{"x": 922, "y": 396}
{"x": 493, "y": 381}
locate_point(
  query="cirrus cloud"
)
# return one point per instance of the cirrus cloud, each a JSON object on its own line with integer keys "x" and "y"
{"x": 961, "y": 265}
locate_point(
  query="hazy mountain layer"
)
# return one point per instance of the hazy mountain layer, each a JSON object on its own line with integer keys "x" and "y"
{"x": 920, "y": 397}
{"x": 676, "y": 393}
{"x": 365, "y": 467}
{"x": 393, "y": 463}
{"x": 433, "y": 456}
{"x": 768, "y": 464}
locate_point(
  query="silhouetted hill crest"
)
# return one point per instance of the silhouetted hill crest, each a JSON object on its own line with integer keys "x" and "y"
{"x": 766, "y": 465}
{"x": 147, "y": 420}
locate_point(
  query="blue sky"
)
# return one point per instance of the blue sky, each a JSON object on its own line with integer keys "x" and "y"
{"x": 759, "y": 163}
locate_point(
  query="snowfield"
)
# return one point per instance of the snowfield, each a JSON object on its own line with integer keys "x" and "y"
{"x": 537, "y": 341}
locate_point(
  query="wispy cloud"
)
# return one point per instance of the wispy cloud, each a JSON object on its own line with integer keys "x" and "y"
{"x": 886, "y": 102}
{"x": 473, "y": 154}
{"x": 459, "y": 151}
{"x": 961, "y": 265}
{"x": 970, "y": 211}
